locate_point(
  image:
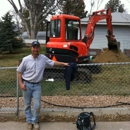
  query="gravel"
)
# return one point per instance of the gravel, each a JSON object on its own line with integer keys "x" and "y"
{"x": 72, "y": 101}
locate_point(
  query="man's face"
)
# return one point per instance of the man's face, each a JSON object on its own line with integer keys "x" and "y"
{"x": 35, "y": 50}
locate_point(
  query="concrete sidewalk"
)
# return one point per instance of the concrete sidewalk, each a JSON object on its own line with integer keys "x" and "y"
{"x": 11, "y": 125}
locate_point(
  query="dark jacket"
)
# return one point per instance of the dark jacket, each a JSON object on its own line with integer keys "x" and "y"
{"x": 69, "y": 74}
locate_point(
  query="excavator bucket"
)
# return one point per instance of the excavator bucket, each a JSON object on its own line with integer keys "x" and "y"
{"x": 113, "y": 44}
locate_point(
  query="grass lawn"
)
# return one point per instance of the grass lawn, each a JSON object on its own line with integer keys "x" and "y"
{"x": 10, "y": 60}
{"x": 113, "y": 79}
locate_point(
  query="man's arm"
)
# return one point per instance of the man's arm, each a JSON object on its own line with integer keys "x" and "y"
{"x": 22, "y": 86}
{"x": 57, "y": 63}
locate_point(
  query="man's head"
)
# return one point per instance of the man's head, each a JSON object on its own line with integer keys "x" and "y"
{"x": 35, "y": 43}
{"x": 35, "y": 48}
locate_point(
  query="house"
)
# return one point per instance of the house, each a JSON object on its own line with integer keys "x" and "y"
{"x": 40, "y": 35}
{"x": 121, "y": 30}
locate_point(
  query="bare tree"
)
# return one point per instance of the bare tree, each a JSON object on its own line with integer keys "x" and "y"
{"x": 99, "y": 2}
{"x": 95, "y": 4}
{"x": 38, "y": 11}
{"x": 92, "y": 5}
{"x": 17, "y": 21}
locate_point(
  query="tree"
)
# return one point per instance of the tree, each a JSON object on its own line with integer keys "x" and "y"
{"x": 9, "y": 33}
{"x": 95, "y": 4}
{"x": 38, "y": 10}
{"x": 74, "y": 7}
{"x": 17, "y": 21}
{"x": 114, "y": 5}
{"x": 42, "y": 25}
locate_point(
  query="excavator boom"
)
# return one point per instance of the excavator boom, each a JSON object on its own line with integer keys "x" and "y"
{"x": 89, "y": 34}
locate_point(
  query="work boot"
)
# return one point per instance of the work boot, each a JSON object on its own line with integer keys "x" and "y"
{"x": 29, "y": 126}
{"x": 36, "y": 126}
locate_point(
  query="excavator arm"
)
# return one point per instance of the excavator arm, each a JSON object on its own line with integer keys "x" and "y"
{"x": 89, "y": 33}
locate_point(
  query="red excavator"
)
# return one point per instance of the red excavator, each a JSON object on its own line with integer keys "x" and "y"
{"x": 64, "y": 37}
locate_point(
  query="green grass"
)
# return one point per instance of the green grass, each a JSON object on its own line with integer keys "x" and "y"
{"x": 113, "y": 79}
{"x": 11, "y": 59}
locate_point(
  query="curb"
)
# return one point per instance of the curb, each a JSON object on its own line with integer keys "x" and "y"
{"x": 12, "y": 112}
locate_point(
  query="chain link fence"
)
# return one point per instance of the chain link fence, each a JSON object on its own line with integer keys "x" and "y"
{"x": 94, "y": 86}
{"x": 8, "y": 90}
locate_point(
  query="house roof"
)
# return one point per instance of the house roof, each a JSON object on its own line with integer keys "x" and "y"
{"x": 39, "y": 34}
{"x": 117, "y": 19}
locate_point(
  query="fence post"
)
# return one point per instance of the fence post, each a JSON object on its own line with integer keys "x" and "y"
{"x": 17, "y": 111}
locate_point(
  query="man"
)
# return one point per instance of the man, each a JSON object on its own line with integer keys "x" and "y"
{"x": 30, "y": 74}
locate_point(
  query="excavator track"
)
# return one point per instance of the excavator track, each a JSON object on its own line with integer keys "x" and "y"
{"x": 95, "y": 68}
{"x": 83, "y": 75}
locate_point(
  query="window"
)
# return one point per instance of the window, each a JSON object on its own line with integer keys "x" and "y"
{"x": 55, "y": 28}
{"x": 72, "y": 29}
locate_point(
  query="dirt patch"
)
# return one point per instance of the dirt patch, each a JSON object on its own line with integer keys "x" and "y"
{"x": 71, "y": 101}
{"x": 109, "y": 56}
{"x": 74, "y": 102}
{"x": 60, "y": 118}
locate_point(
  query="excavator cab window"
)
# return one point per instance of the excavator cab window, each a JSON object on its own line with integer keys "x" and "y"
{"x": 47, "y": 32}
{"x": 72, "y": 29}
{"x": 55, "y": 28}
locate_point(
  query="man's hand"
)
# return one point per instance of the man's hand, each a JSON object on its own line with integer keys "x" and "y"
{"x": 23, "y": 86}
{"x": 57, "y": 63}
{"x": 66, "y": 64}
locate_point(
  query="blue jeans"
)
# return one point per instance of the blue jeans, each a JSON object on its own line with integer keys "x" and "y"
{"x": 32, "y": 91}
